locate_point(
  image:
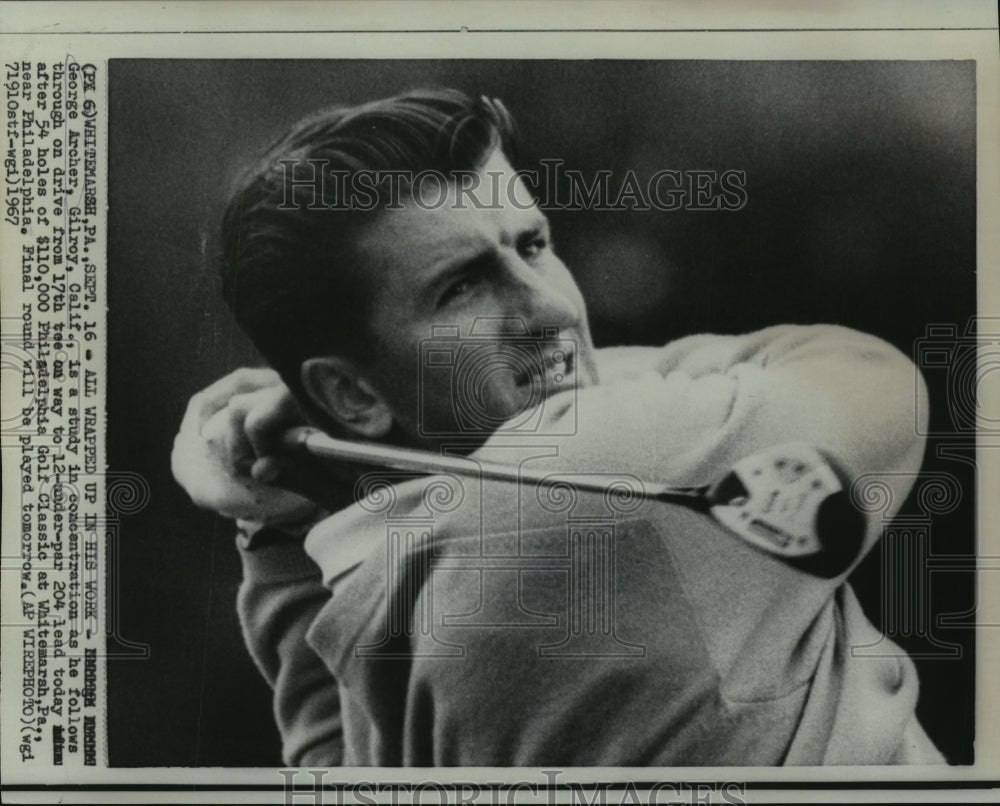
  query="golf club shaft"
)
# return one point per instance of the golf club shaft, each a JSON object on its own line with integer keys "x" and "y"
{"x": 813, "y": 526}
{"x": 318, "y": 444}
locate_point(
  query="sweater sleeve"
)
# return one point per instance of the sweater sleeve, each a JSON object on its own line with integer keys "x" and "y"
{"x": 850, "y": 394}
{"x": 706, "y": 402}
{"x": 719, "y": 399}
{"x": 278, "y": 599}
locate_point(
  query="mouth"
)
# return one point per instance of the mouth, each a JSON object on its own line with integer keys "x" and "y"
{"x": 557, "y": 373}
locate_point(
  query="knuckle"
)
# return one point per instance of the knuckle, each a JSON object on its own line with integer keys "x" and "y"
{"x": 197, "y": 404}
{"x": 255, "y": 376}
{"x": 255, "y": 423}
{"x": 235, "y": 416}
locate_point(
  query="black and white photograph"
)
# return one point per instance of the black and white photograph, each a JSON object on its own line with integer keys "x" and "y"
{"x": 587, "y": 419}
{"x": 701, "y": 263}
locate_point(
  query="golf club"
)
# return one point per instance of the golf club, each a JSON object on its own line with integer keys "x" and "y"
{"x": 786, "y": 500}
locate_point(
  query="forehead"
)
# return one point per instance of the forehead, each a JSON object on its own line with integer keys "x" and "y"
{"x": 440, "y": 223}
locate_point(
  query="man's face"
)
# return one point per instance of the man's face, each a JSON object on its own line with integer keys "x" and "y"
{"x": 490, "y": 278}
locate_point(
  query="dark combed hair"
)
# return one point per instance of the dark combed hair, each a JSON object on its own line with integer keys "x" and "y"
{"x": 292, "y": 277}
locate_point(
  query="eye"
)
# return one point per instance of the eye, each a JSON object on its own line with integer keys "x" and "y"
{"x": 533, "y": 244}
{"x": 458, "y": 288}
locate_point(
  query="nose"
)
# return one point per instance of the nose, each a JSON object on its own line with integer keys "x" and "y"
{"x": 541, "y": 299}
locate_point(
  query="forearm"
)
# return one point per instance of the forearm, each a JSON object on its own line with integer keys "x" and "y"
{"x": 848, "y": 393}
{"x": 708, "y": 401}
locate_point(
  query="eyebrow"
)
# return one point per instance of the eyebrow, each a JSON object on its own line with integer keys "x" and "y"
{"x": 539, "y": 223}
{"x": 440, "y": 272}
{"x": 438, "y": 277}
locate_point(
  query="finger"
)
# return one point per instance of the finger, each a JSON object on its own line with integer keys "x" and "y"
{"x": 203, "y": 472}
{"x": 249, "y": 419}
{"x": 332, "y": 490}
{"x": 267, "y": 470}
{"x": 222, "y": 443}
{"x": 274, "y": 412}
{"x": 225, "y": 434}
{"x": 217, "y": 395}
{"x": 237, "y": 446}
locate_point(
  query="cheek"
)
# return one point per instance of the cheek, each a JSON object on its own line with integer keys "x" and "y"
{"x": 565, "y": 281}
{"x": 394, "y": 369}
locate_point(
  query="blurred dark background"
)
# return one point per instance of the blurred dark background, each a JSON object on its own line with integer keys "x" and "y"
{"x": 861, "y": 211}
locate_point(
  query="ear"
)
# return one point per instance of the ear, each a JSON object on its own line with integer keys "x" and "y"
{"x": 338, "y": 388}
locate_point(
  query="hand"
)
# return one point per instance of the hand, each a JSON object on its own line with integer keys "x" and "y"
{"x": 221, "y": 453}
